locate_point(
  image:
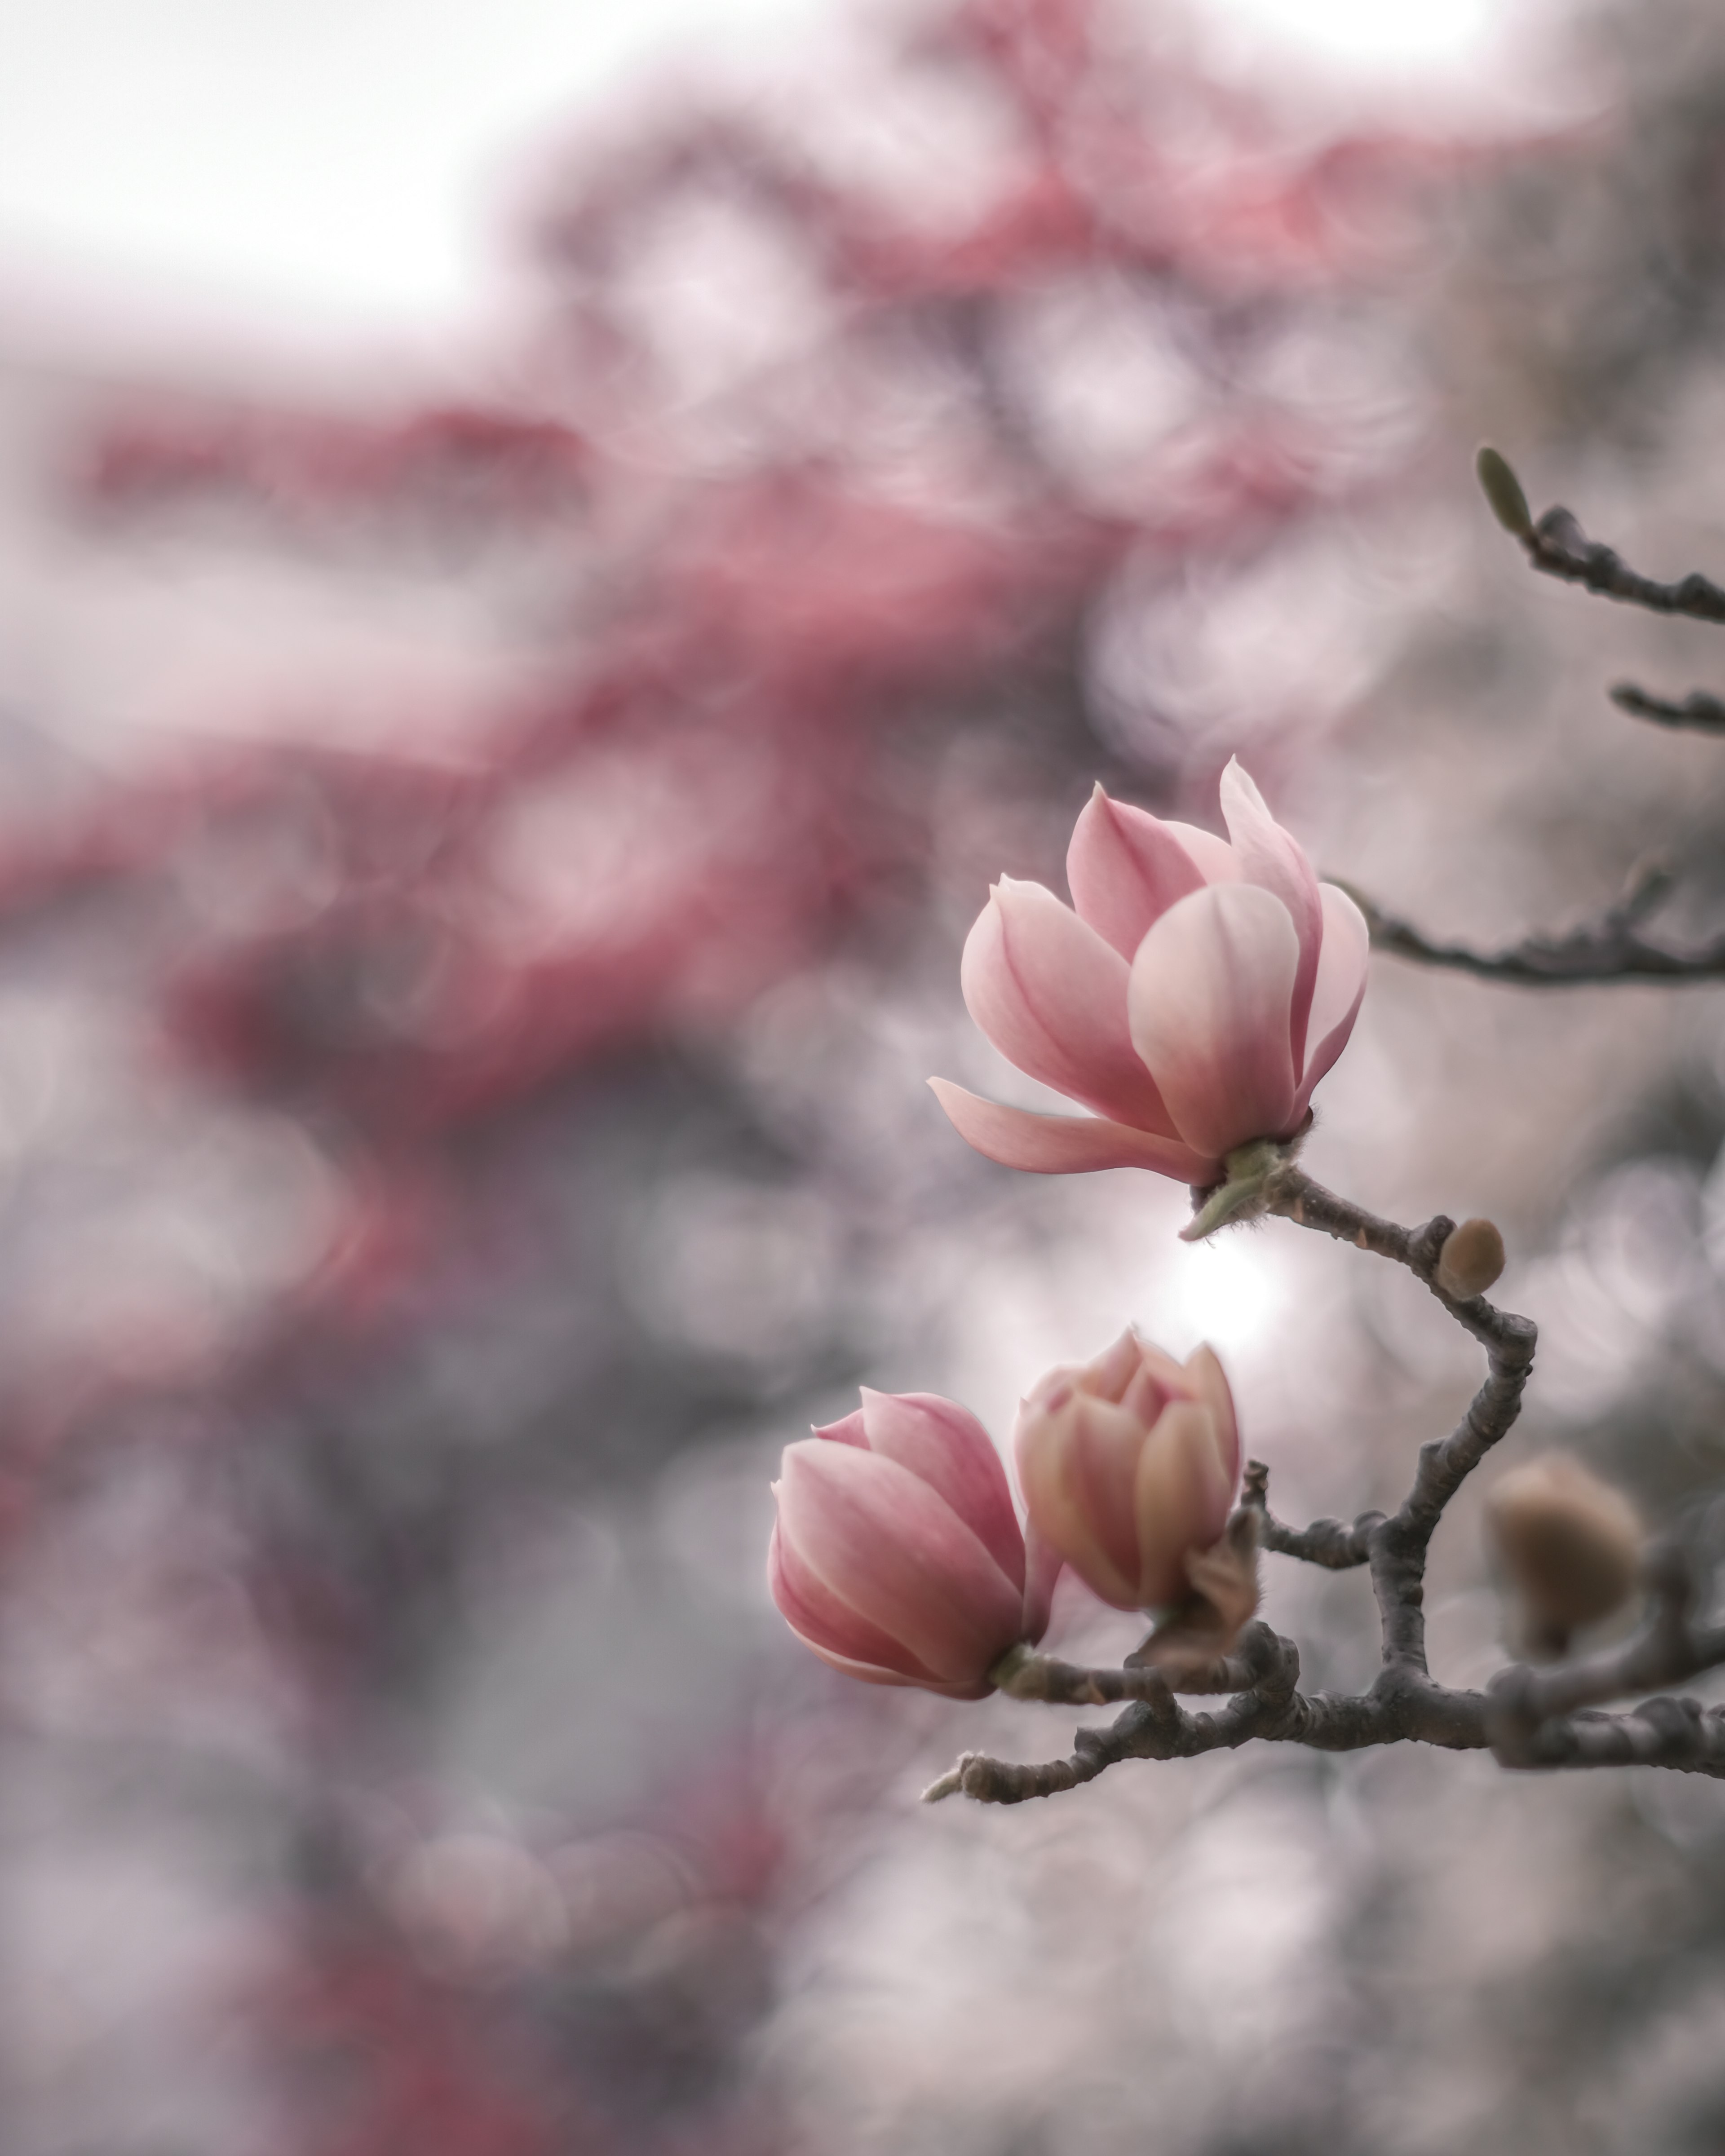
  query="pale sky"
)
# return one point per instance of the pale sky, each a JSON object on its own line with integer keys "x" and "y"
{"x": 341, "y": 161}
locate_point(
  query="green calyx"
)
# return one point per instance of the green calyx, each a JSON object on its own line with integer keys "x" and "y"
{"x": 1242, "y": 1195}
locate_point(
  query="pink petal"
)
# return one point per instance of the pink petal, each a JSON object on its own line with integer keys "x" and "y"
{"x": 886, "y": 1545}
{"x": 1271, "y": 858}
{"x": 1209, "y": 1004}
{"x": 1341, "y": 967}
{"x": 1114, "y": 1370}
{"x": 1051, "y": 996}
{"x": 977, "y": 1688}
{"x": 1066, "y": 1145}
{"x": 1126, "y": 869}
{"x": 1216, "y": 860}
{"x": 947, "y": 1447}
{"x": 1074, "y": 1491}
{"x": 831, "y": 1627}
{"x": 1043, "y": 1565}
{"x": 1209, "y": 1382}
{"x": 1180, "y": 1501}
{"x": 847, "y": 1430}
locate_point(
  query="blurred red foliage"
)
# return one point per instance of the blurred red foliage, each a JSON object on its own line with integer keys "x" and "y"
{"x": 776, "y": 595}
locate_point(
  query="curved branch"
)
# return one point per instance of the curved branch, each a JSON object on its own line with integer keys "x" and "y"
{"x": 1699, "y": 712}
{"x": 1558, "y": 546}
{"x": 1324, "y": 1542}
{"x": 1404, "y": 1703}
{"x": 1610, "y": 949}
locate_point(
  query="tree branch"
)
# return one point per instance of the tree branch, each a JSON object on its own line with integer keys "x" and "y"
{"x": 1698, "y": 711}
{"x": 1326, "y": 1542}
{"x": 1610, "y": 949}
{"x": 1404, "y": 1703}
{"x": 1558, "y": 546}
{"x": 1544, "y": 1717}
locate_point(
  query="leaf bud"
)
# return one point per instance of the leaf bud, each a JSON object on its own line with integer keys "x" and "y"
{"x": 1470, "y": 1261}
{"x": 1503, "y": 490}
{"x": 1570, "y": 1545}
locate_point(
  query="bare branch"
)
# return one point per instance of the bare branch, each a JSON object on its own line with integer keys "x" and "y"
{"x": 1533, "y": 1715}
{"x": 1326, "y": 1542}
{"x": 1698, "y": 711}
{"x": 1610, "y": 949}
{"x": 1558, "y": 546}
{"x": 1404, "y": 1703}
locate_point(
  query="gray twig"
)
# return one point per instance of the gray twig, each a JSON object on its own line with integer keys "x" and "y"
{"x": 1558, "y": 546}
{"x": 1698, "y": 711}
{"x": 1612, "y": 948}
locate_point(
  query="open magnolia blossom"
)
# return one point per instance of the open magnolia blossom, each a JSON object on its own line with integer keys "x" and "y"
{"x": 1129, "y": 1464}
{"x": 1192, "y": 995}
{"x": 897, "y": 1554}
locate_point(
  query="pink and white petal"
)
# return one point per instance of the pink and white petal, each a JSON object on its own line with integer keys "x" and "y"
{"x": 1274, "y": 859}
{"x": 1126, "y": 868}
{"x": 1208, "y": 1381}
{"x": 1342, "y": 969}
{"x": 1148, "y": 1393}
{"x": 1209, "y": 1004}
{"x": 1066, "y": 1145}
{"x": 1051, "y": 996}
{"x": 1114, "y": 1370}
{"x": 891, "y": 1549}
{"x": 980, "y": 1689}
{"x": 949, "y": 1449}
{"x": 847, "y": 1430}
{"x": 1060, "y": 1495}
{"x": 1214, "y": 859}
{"x": 1181, "y": 1500}
{"x": 830, "y": 1625}
{"x": 1043, "y": 1565}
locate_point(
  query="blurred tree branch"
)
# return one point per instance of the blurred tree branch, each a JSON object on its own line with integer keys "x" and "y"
{"x": 1612, "y": 948}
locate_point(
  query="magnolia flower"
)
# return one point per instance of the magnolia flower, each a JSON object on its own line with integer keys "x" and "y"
{"x": 1192, "y": 995}
{"x": 897, "y": 1554}
{"x": 1128, "y": 1466}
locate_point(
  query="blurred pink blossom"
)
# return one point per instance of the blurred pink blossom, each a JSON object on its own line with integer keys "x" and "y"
{"x": 1128, "y": 1464}
{"x": 1192, "y": 995}
{"x": 898, "y": 1555}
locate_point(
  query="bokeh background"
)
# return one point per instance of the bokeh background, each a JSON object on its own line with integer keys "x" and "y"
{"x": 544, "y": 567}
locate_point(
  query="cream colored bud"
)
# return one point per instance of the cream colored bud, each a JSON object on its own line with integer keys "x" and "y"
{"x": 1503, "y": 490}
{"x": 1470, "y": 1261}
{"x": 1569, "y": 1544}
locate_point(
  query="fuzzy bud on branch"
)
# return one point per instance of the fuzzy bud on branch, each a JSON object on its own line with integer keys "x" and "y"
{"x": 1569, "y": 1546}
{"x": 1471, "y": 1259}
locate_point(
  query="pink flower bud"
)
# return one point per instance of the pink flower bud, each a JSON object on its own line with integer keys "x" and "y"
{"x": 1128, "y": 1463}
{"x": 898, "y": 1555}
{"x": 1191, "y": 996}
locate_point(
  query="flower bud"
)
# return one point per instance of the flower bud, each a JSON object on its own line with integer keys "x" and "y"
{"x": 1503, "y": 490}
{"x": 897, "y": 1554}
{"x": 1470, "y": 1261}
{"x": 1569, "y": 1544}
{"x": 1128, "y": 1466}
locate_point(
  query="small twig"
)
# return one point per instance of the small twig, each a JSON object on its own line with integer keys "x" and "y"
{"x": 1558, "y": 546}
{"x": 1610, "y": 949}
{"x": 1326, "y": 1542}
{"x": 1698, "y": 711}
